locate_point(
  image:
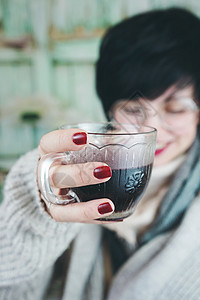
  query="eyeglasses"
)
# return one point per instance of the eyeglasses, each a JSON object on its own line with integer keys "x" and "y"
{"x": 174, "y": 113}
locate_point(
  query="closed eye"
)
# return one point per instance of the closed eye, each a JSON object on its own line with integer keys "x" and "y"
{"x": 133, "y": 111}
{"x": 178, "y": 111}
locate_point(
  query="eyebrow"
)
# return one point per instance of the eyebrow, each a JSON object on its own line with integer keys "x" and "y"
{"x": 170, "y": 96}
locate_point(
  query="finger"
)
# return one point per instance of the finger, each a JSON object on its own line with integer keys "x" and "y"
{"x": 67, "y": 176}
{"x": 59, "y": 192}
{"x": 83, "y": 212}
{"x": 63, "y": 140}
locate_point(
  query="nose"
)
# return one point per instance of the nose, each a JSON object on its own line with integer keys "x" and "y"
{"x": 156, "y": 121}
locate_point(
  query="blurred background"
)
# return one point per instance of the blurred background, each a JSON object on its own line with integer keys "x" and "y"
{"x": 48, "y": 50}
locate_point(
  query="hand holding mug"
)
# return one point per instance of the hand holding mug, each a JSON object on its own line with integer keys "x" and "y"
{"x": 114, "y": 165}
{"x": 73, "y": 140}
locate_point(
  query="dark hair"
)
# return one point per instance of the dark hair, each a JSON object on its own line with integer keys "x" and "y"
{"x": 148, "y": 53}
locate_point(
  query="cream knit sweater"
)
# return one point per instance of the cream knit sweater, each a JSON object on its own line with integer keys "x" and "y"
{"x": 167, "y": 267}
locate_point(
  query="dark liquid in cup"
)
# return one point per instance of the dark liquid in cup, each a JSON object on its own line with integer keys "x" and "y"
{"x": 125, "y": 188}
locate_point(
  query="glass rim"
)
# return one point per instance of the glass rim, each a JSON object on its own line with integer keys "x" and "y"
{"x": 79, "y": 126}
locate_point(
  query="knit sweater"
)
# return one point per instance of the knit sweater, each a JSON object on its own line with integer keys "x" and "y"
{"x": 167, "y": 267}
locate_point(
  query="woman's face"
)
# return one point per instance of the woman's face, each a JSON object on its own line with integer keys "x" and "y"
{"x": 175, "y": 116}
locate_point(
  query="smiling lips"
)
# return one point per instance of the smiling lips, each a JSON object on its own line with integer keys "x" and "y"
{"x": 161, "y": 148}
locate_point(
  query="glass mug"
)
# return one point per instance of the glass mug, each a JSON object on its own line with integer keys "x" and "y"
{"x": 128, "y": 149}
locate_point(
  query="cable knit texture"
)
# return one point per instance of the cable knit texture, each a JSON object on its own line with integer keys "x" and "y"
{"x": 31, "y": 240}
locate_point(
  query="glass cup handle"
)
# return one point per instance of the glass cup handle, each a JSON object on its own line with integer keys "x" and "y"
{"x": 44, "y": 166}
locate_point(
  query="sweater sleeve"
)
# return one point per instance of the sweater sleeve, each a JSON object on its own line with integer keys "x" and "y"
{"x": 30, "y": 240}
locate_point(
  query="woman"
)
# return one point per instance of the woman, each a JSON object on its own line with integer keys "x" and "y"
{"x": 148, "y": 71}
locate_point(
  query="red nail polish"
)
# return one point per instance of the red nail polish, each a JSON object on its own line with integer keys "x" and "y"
{"x": 105, "y": 208}
{"x": 80, "y": 138}
{"x": 102, "y": 172}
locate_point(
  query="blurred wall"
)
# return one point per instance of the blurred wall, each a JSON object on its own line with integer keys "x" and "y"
{"x": 48, "y": 50}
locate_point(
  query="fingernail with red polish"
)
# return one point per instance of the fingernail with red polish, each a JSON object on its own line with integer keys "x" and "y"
{"x": 102, "y": 172}
{"x": 105, "y": 208}
{"x": 80, "y": 138}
